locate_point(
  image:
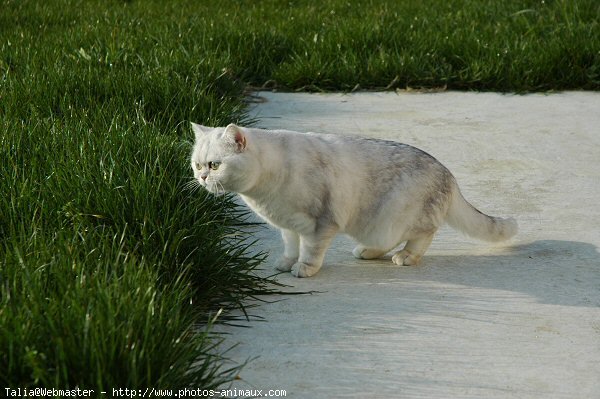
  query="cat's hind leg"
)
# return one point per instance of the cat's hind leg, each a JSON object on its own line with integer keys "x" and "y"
{"x": 413, "y": 251}
{"x": 312, "y": 251}
{"x": 362, "y": 252}
{"x": 291, "y": 251}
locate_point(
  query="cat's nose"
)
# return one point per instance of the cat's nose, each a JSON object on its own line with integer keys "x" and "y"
{"x": 203, "y": 177}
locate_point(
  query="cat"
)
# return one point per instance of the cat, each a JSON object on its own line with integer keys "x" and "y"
{"x": 312, "y": 186}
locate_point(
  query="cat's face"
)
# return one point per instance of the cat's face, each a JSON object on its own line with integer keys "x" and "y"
{"x": 221, "y": 160}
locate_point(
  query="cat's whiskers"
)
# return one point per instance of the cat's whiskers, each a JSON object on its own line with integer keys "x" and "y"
{"x": 192, "y": 186}
{"x": 220, "y": 189}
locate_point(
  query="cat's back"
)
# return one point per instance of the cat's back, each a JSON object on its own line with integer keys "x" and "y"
{"x": 290, "y": 140}
{"x": 376, "y": 151}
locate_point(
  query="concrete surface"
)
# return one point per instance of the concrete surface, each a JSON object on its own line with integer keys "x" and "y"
{"x": 474, "y": 320}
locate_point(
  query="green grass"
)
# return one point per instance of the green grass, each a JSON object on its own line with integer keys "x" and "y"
{"x": 461, "y": 44}
{"x": 108, "y": 259}
{"x": 111, "y": 265}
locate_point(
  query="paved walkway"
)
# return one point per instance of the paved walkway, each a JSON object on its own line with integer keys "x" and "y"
{"x": 475, "y": 320}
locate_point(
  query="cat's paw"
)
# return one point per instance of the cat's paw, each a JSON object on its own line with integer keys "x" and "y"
{"x": 285, "y": 264}
{"x": 361, "y": 252}
{"x": 303, "y": 270}
{"x": 405, "y": 258}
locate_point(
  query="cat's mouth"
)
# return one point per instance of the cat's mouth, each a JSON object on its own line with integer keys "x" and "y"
{"x": 215, "y": 188}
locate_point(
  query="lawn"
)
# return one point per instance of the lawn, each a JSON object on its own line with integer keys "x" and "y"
{"x": 112, "y": 265}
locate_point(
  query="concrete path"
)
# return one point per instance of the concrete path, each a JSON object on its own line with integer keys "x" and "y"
{"x": 474, "y": 320}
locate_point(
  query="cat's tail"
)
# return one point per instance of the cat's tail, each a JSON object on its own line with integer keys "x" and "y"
{"x": 465, "y": 217}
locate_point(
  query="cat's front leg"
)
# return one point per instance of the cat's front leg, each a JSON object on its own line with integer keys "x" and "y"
{"x": 291, "y": 250}
{"x": 312, "y": 252}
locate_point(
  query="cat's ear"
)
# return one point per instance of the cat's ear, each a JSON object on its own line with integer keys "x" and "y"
{"x": 199, "y": 130}
{"x": 235, "y": 135}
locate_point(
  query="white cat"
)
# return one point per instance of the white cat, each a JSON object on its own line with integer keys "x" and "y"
{"x": 312, "y": 186}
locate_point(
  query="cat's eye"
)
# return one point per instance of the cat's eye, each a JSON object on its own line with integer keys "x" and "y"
{"x": 214, "y": 165}
{"x": 198, "y": 166}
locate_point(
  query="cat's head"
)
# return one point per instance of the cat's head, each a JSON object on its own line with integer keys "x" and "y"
{"x": 222, "y": 159}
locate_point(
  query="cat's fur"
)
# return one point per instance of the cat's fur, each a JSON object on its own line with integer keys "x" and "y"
{"x": 312, "y": 186}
